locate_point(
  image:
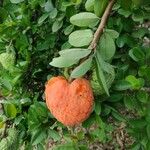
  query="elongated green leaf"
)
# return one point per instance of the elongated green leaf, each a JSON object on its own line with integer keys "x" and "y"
{"x": 6, "y": 84}
{"x": 107, "y": 46}
{"x": 43, "y": 18}
{"x": 84, "y": 19}
{"x": 10, "y": 110}
{"x": 114, "y": 34}
{"x": 81, "y": 38}
{"x": 16, "y": 1}
{"x": 128, "y": 101}
{"x": 38, "y": 136}
{"x": 68, "y": 29}
{"x": 61, "y": 62}
{"x": 100, "y": 6}
{"x": 49, "y": 6}
{"x": 136, "y": 54}
{"x": 122, "y": 85}
{"x": 69, "y": 57}
{"x": 2, "y": 122}
{"x": 100, "y": 75}
{"x": 97, "y": 108}
{"x": 3, "y": 13}
{"x": 89, "y": 5}
{"x": 82, "y": 69}
{"x": 106, "y": 67}
{"x": 75, "y": 53}
{"x": 142, "y": 96}
{"x": 57, "y": 25}
{"x": 53, "y": 134}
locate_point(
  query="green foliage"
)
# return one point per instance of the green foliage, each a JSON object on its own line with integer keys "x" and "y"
{"x": 36, "y": 36}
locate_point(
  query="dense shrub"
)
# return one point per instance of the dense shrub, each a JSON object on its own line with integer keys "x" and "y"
{"x": 44, "y": 38}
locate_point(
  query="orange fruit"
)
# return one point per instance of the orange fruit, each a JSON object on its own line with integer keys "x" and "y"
{"x": 70, "y": 103}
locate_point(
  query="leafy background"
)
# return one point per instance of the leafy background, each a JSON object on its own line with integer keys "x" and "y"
{"x": 36, "y": 36}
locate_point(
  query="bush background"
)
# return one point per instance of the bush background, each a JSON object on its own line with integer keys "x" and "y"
{"x": 34, "y": 31}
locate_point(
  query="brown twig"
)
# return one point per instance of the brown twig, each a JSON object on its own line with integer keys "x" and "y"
{"x": 102, "y": 24}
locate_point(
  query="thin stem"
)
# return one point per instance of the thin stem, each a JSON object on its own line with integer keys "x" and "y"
{"x": 102, "y": 24}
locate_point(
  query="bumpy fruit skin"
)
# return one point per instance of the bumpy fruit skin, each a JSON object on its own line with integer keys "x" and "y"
{"x": 7, "y": 60}
{"x": 70, "y": 103}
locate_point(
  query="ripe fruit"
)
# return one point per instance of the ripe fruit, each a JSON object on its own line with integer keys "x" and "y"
{"x": 70, "y": 103}
{"x": 7, "y": 60}
{"x": 97, "y": 88}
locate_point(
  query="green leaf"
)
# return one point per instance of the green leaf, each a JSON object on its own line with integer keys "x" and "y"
{"x": 122, "y": 85}
{"x": 125, "y": 13}
{"x": 138, "y": 16}
{"x": 81, "y": 38}
{"x": 82, "y": 68}
{"x": 97, "y": 108}
{"x": 136, "y": 83}
{"x": 138, "y": 123}
{"x": 68, "y": 29}
{"x": 3, "y": 14}
{"x": 10, "y": 110}
{"x": 107, "y": 46}
{"x": 137, "y": 54}
{"x": 106, "y": 110}
{"x": 100, "y": 74}
{"x": 84, "y": 19}
{"x": 137, "y": 2}
{"x": 69, "y": 57}
{"x": 126, "y": 4}
{"x": 128, "y": 101}
{"x": 100, "y": 6}
{"x": 7, "y": 60}
{"x": 16, "y": 1}
{"x": 6, "y": 84}
{"x": 140, "y": 32}
{"x": 43, "y": 18}
{"x": 54, "y": 135}
{"x": 75, "y": 53}
{"x": 118, "y": 116}
{"x": 108, "y": 68}
{"x": 115, "y": 97}
{"x": 91, "y": 120}
{"x": 2, "y": 122}
{"x": 61, "y": 62}
{"x": 114, "y": 34}
{"x": 49, "y": 6}
{"x": 89, "y": 5}
{"x": 53, "y": 13}
{"x": 57, "y": 25}
{"x": 66, "y": 45}
{"x": 38, "y": 136}
{"x": 142, "y": 96}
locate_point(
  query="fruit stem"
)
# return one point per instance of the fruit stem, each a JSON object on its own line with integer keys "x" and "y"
{"x": 66, "y": 74}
